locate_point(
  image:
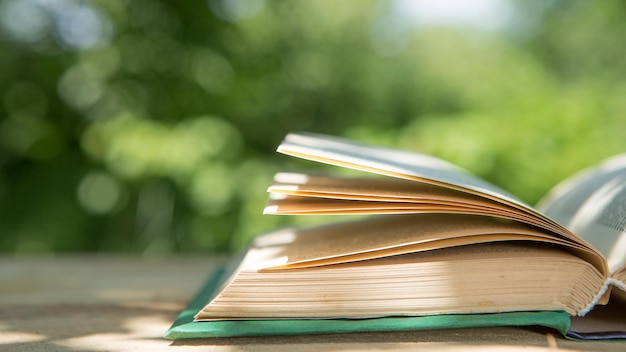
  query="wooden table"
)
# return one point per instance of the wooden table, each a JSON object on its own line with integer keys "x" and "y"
{"x": 111, "y": 303}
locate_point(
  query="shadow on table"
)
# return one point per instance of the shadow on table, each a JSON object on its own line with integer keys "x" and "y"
{"x": 85, "y": 327}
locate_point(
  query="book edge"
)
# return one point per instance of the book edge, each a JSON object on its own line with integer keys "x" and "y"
{"x": 185, "y": 327}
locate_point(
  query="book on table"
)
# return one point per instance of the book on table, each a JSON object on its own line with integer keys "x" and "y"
{"x": 431, "y": 246}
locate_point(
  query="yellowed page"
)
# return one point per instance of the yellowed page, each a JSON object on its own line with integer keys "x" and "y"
{"x": 406, "y": 165}
{"x": 303, "y": 194}
{"x": 383, "y": 236}
{"x": 482, "y": 278}
{"x": 290, "y": 205}
{"x": 379, "y": 188}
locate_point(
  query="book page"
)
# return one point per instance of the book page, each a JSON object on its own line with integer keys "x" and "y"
{"x": 482, "y": 278}
{"x": 406, "y": 165}
{"x": 300, "y": 194}
{"x": 390, "y": 162}
{"x": 379, "y": 188}
{"x": 392, "y": 235}
{"x": 592, "y": 204}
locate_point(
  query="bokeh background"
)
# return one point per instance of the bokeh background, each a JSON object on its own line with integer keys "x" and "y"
{"x": 150, "y": 126}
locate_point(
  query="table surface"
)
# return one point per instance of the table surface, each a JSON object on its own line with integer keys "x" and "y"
{"x": 112, "y": 303}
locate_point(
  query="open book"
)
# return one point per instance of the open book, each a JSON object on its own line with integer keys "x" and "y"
{"x": 437, "y": 243}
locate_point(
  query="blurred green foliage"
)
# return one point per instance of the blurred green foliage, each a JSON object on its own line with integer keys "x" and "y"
{"x": 150, "y": 126}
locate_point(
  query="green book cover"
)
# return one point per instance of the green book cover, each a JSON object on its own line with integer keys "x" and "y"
{"x": 185, "y": 327}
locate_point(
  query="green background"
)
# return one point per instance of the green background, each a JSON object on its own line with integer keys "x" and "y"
{"x": 151, "y": 126}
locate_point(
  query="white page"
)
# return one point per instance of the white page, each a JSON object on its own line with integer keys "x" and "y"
{"x": 391, "y": 162}
{"x": 592, "y": 204}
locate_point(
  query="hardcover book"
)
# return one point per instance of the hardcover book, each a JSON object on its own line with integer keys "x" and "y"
{"x": 430, "y": 247}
